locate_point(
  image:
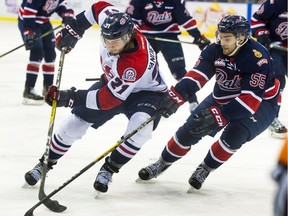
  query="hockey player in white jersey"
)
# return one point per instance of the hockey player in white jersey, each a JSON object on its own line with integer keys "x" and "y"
{"x": 131, "y": 85}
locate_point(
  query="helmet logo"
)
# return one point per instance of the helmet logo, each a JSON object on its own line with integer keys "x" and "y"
{"x": 122, "y": 21}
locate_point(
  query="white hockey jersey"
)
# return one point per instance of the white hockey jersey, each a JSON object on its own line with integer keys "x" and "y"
{"x": 129, "y": 72}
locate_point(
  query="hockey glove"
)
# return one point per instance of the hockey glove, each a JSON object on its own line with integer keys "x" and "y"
{"x": 67, "y": 16}
{"x": 67, "y": 98}
{"x": 263, "y": 37}
{"x": 201, "y": 42}
{"x": 29, "y": 38}
{"x": 69, "y": 36}
{"x": 207, "y": 121}
{"x": 170, "y": 102}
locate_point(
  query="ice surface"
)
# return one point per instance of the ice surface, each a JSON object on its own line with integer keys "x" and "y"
{"x": 241, "y": 187}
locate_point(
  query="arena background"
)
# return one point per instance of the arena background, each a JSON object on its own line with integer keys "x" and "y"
{"x": 207, "y": 14}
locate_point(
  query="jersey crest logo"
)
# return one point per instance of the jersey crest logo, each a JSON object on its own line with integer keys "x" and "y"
{"x": 50, "y": 5}
{"x": 226, "y": 82}
{"x": 129, "y": 75}
{"x": 158, "y": 19}
{"x": 257, "y": 54}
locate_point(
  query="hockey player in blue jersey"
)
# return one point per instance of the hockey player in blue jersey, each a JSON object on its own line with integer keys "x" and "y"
{"x": 34, "y": 21}
{"x": 243, "y": 101}
{"x": 269, "y": 25}
{"x": 162, "y": 19}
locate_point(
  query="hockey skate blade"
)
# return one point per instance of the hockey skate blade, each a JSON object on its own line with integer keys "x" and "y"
{"x": 27, "y": 186}
{"x": 277, "y": 135}
{"x": 141, "y": 181}
{"x": 31, "y": 102}
{"x": 192, "y": 190}
{"x": 96, "y": 194}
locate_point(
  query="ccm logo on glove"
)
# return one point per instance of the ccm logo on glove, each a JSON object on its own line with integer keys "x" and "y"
{"x": 218, "y": 116}
{"x": 176, "y": 98}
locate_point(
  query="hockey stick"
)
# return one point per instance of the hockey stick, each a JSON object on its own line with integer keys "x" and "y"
{"x": 50, "y": 203}
{"x": 92, "y": 79}
{"x": 43, "y": 35}
{"x": 54, "y": 205}
{"x": 278, "y": 47}
{"x": 168, "y": 40}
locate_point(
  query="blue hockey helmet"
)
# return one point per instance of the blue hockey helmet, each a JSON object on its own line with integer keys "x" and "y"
{"x": 116, "y": 25}
{"x": 234, "y": 24}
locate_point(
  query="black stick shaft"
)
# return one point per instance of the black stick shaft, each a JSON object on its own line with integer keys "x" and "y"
{"x": 22, "y": 45}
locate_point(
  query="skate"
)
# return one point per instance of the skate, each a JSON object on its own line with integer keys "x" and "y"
{"x": 198, "y": 177}
{"x": 152, "y": 171}
{"x": 104, "y": 177}
{"x": 30, "y": 97}
{"x": 34, "y": 175}
{"x": 277, "y": 129}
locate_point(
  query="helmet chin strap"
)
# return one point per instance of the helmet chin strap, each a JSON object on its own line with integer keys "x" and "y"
{"x": 238, "y": 46}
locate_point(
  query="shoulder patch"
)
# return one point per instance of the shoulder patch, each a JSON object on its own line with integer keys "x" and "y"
{"x": 262, "y": 61}
{"x": 129, "y": 74}
{"x": 257, "y": 54}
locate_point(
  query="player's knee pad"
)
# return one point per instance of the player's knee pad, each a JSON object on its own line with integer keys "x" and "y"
{"x": 185, "y": 137}
{"x": 235, "y": 135}
{"x": 71, "y": 129}
{"x": 36, "y": 55}
{"x": 50, "y": 54}
{"x": 142, "y": 135}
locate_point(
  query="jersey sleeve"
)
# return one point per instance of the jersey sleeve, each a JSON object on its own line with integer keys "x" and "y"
{"x": 135, "y": 9}
{"x": 259, "y": 19}
{"x": 185, "y": 20}
{"x": 98, "y": 12}
{"x": 62, "y": 7}
{"x": 199, "y": 75}
{"x": 28, "y": 12}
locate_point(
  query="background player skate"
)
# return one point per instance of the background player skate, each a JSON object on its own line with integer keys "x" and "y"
{"x": 162, "y": 19}
{"x": 244, "y": 100}
{"x": 131, "y": 85}
{"x": 34, "y": 21}
{"x": 269, "y": 25}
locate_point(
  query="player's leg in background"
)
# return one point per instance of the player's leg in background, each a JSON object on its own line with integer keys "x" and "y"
{"x": 277, "y": 129}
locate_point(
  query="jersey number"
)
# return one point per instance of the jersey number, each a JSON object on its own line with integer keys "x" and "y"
{"x": 117, "y": 83}
{"x": 258, "y": 80}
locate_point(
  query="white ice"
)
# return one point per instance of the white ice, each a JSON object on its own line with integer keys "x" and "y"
{"x": 241, "y": 187}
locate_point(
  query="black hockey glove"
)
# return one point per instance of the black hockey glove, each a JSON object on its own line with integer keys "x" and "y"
{"x": 66, "y": 98}
{"x": 263, "y": 37}
{"x": 69, "y": 36}
{"x": 67, "y": 16}
{"x": 170, "y": 102}
{"x": 201, "y": 42}
{"x": 207, "y": 121}
{"x": 29, "y": 38}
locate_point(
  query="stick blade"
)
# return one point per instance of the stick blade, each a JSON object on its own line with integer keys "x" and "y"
{"x": 54, "y": 206}
{"x": 29, "y": 212}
